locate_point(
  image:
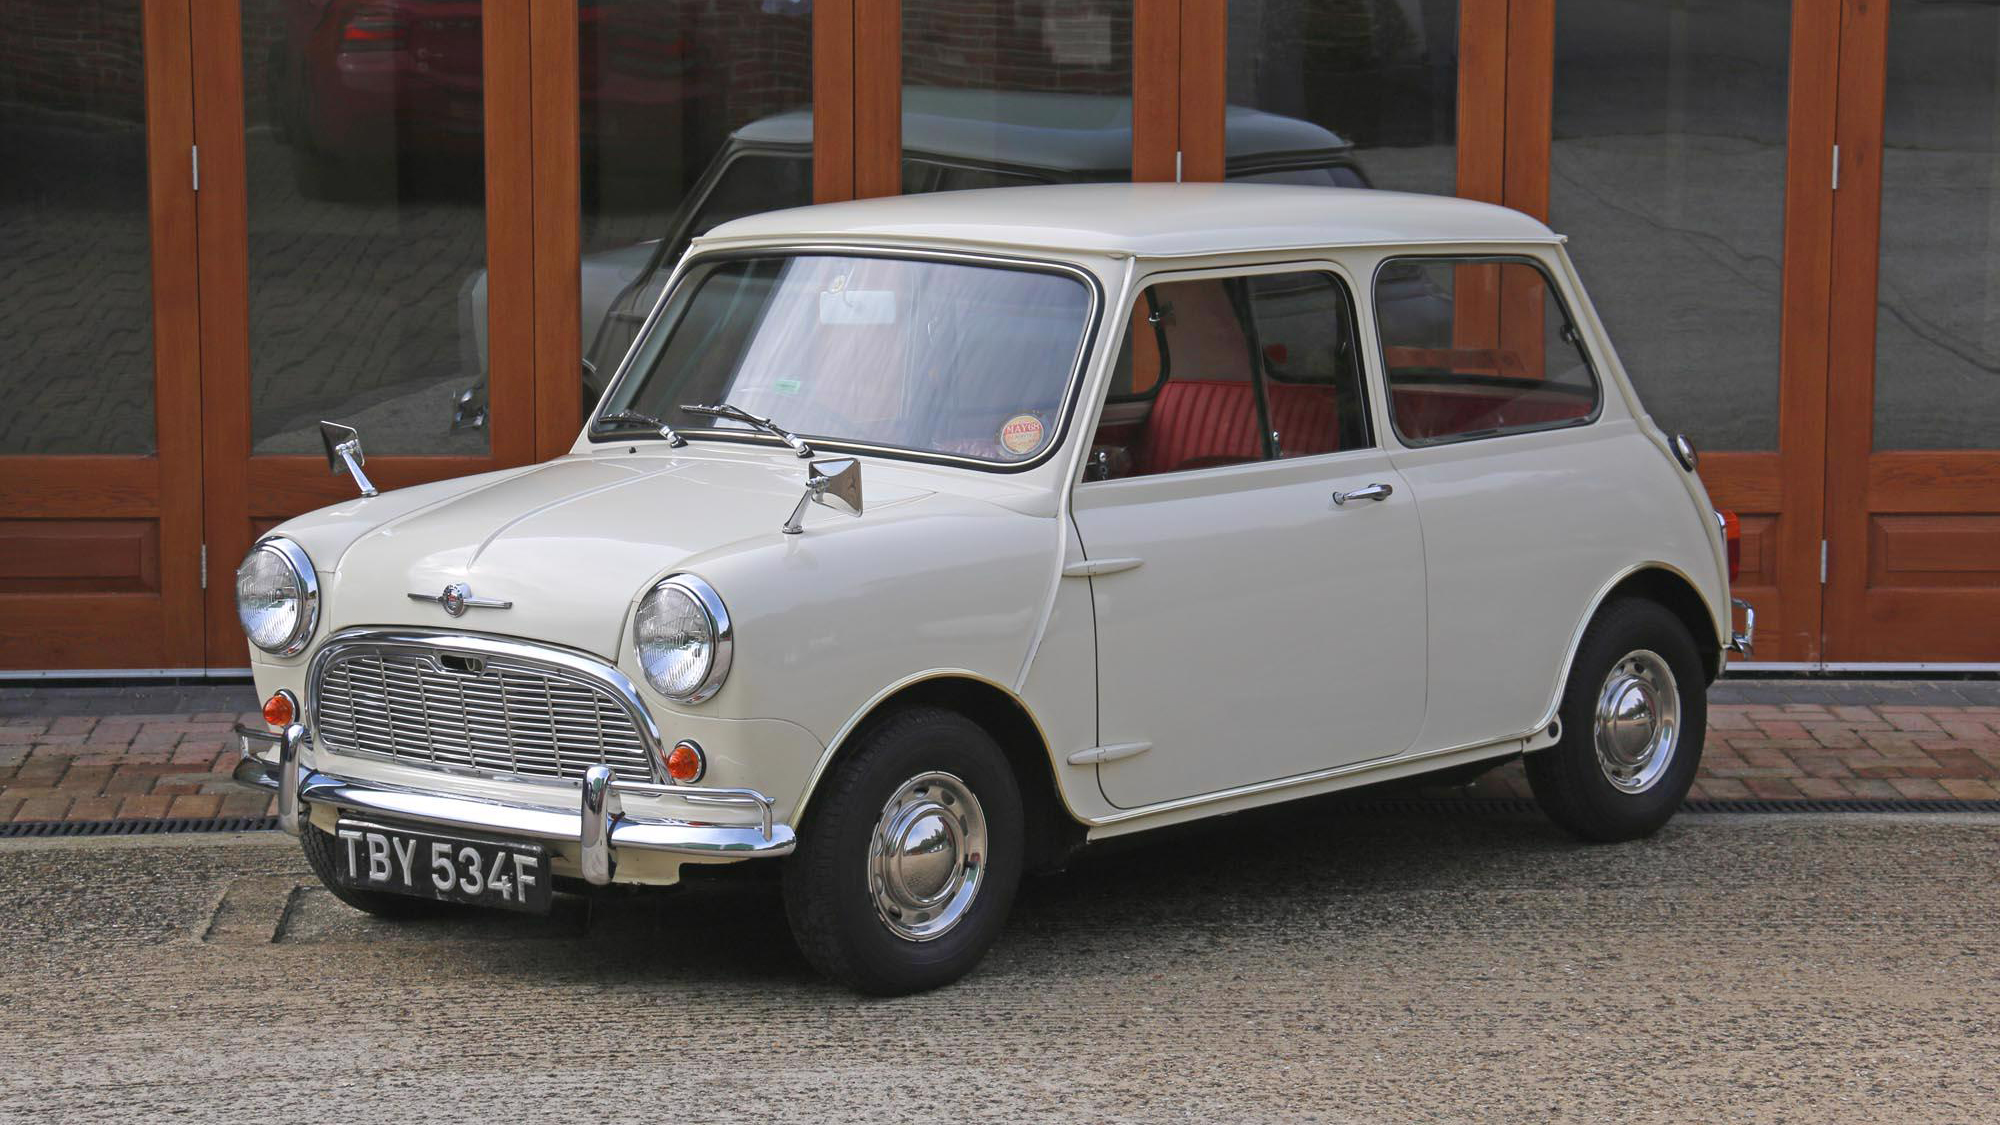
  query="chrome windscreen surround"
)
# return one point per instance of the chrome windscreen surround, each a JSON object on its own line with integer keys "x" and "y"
{"x": 473, "y": 704}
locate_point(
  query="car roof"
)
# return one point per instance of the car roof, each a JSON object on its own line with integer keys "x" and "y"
{"x": 1059, "y": 132}
{"x": 1146, "y": 220}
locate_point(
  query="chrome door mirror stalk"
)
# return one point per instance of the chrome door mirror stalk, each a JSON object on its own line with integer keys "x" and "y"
{"x": 343, "y": 454}
{"x": 834, "y": 482}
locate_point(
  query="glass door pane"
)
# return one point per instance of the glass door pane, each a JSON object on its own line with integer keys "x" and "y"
{"x": 1668, "y": 171}
{"x": 998, "y": 93}
{"x": 1937, "y": 328}
{"x": 692, "y": 115}
{"x": 367, "y": 222}
{"x": 76, "y": 293}
{"x": 1344, "y": 93}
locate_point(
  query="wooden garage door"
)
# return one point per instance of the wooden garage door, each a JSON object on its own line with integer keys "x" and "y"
{"x": 100, "y": 537}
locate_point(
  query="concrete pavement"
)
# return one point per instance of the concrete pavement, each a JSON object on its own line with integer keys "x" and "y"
{"x": 1292, "y": 966}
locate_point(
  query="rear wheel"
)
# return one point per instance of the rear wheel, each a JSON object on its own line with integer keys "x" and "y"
{"x": 907, "y": 866}
{"x": 1634, "y": 715}
{"x": 321, "y": 855}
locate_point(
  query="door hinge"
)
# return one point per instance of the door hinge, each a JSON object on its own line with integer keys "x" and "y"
{"x": 194, "y": 164}
{"x": 204, "y": 566}
{"x": 1822, "y": 562}
{"x": 1177, "y": 166}
{"x": 1836, "y": 167}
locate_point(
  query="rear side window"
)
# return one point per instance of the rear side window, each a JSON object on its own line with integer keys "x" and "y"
{"x": 1479, "y": 347}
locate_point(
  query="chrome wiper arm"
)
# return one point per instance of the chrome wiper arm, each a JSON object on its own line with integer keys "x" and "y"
{"x": 738, "y": 414}
{"x": 674, "y": 440}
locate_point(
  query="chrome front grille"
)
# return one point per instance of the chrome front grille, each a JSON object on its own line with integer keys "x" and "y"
{"x": 450, "y": 706}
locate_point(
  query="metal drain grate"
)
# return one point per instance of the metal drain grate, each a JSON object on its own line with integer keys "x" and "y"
{"x": 38, "y": 829}
{"x": 1367, "y": 806}
{"x": 1517, "y": 806}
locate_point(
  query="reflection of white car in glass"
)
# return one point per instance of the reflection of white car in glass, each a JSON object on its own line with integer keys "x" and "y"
{"x": 1163, "y": 518}
{"x": 952, "y": 140}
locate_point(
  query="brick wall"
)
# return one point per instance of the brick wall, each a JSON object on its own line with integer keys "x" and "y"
{"x": 73, "y": 57}
{"x": 1075, "y": 46}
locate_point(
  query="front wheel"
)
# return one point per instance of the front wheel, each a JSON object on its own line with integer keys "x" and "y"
{"x": 1634, "y": 715}
{"x": 907, "y": 866}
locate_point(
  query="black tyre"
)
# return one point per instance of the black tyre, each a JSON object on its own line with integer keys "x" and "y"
{"x": 321, "y": 854}
{"x": 910, "y": 855}
{"x": 1634, "y": 715}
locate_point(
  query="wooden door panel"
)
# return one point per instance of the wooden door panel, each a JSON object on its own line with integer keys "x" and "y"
{"x": 339, "y": 194}
{"x": 102, "y": 551}
{"x": 1913, "y": 534}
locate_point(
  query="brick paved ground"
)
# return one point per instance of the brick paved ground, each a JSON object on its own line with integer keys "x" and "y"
{"x": 99, "y": 754}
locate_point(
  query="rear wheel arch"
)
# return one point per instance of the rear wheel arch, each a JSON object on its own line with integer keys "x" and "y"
{"x": 1052, "y": 832}
{"x": 1653, "y": 582}
{"x": 1672, "y": 590}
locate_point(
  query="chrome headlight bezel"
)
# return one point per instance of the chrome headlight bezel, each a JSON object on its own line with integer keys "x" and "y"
{"x": 295, "y": 559}
{"x": 721, "y": 642}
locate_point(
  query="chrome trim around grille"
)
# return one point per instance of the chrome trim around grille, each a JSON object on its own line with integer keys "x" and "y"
{"x": 596, "y": 823}
{"x": 592, "y": 716}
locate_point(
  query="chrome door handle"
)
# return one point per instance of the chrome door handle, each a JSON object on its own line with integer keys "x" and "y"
{"x": 1366, "y": 492}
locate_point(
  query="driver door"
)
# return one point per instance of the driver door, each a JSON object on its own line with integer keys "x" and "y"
{"x": 1251, "y": 626}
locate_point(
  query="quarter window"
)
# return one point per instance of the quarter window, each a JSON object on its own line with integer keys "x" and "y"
{"x": 1228, "y": 370}
{"x": 1478, "y": 348}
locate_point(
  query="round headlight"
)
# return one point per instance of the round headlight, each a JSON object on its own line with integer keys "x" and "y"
{"x": 277, "y": 597}
{"x": 681, "y": 634}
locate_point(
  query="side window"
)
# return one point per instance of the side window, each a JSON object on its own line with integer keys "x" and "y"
{"x": 1312, "y": 365}
{"x": 1478, "y": 348}
{"x": 1220, "y": 371}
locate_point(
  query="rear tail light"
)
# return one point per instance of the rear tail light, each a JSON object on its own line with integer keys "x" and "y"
{"x": 1732, "y": 538}
{"x": 373, "y": 29}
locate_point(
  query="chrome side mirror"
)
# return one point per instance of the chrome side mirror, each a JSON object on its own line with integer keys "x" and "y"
{"x": 343, "y": 454}
{"x": 834, "y": 482}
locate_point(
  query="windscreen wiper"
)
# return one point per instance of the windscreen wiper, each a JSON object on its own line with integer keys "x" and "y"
{"x": 738, "y": 414}
{"x": 674, "y": 440}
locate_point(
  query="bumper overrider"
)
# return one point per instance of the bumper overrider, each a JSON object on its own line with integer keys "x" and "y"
{"x": 596, "y": 825}
{"x": 1742, "y": 640}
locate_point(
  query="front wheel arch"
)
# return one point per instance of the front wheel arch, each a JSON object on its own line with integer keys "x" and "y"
{"x": 1051, "y": 832}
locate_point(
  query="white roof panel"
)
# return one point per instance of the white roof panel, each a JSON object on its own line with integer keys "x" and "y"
{"x": 1148, "y": 220}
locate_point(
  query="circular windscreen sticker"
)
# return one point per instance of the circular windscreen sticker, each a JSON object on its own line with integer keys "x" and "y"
{"x": 1021, "y": 434}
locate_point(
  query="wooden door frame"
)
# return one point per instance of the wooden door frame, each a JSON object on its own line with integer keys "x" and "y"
{"x": 159, "y": 629}
{"x": 1887, "y": 623}
{"x": 242, "y": 490}
{"x": 1780, "y": 495}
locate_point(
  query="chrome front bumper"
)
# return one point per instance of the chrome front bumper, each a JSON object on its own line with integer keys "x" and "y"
{"x": 596, "y": 825}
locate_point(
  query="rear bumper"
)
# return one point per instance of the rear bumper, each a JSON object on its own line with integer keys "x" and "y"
{"x": 1741, "y": 641}
{"x": 596, "y": 826}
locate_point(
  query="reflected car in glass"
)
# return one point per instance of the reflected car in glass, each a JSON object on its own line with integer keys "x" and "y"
{"x": 919, "y": 542}
{"x": 953, "y": 140}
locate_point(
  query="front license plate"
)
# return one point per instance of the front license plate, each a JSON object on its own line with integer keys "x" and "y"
{"x": 510, "y": 875}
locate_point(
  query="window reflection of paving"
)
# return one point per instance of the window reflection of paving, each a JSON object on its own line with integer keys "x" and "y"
{"x": 76, "y": 293}
{"x": 354, "y": 306}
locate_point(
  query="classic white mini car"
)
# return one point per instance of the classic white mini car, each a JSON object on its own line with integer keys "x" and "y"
{"x": 919, "y": 541}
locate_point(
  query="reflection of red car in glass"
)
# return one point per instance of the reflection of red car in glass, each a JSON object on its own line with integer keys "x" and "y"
{"x": 359, "y": 86}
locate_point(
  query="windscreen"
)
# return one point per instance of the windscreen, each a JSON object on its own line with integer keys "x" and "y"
{"x": 926, "y": 355}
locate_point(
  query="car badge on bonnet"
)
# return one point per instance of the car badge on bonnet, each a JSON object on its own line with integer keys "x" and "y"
{"x": 457, "y": 598}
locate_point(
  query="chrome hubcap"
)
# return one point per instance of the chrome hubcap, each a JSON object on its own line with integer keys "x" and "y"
{"x": 927, "y": 857}
{"x": 1638, "y": 721}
